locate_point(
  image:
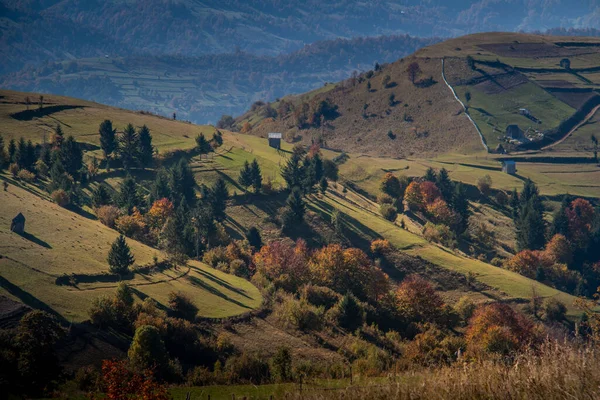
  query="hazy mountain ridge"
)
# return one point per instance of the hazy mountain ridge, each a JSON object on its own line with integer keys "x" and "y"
{"x": 194, "y": 27}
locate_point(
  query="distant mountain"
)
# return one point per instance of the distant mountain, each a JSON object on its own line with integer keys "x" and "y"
{"x": 36, "y": 30}
{"x": 203, "y": 88}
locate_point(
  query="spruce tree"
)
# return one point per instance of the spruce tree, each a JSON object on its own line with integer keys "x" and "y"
{"x": 160, "y": 187}
{"x": 350, "y": 314}
{"x": 256, "y": 176}
{"x": 531, "y": 231}
{"x": 101, "y": 196}
{"x": 108, "y": 141}
{"x": 12, "y": 150}
{"x": 460, "y": 205}
{"x": 71, "y": 156}
{"x": 430, "y": 175}
{"x": 219, "y": 196}
{"x": 120, "y": 257}
{"x": 3, "y": 155}
{"x": 309, "y": 175}
{"x": 129, "y": 145}
{"x": 515, "y": 204}
{"x": 296, "y": 206}
{"x": 202, "y": 145}
{"x": 292, "y": 172}
{"x": 146, "y": 150}
{"x": 445, "y": 185}
{"x": 253, "y": 238}
{"x": 217, "y": 138}
{"x": 129, "y": 197}
{"x": 204, "y": 228}
{"x": 58, "y": 176}
{"x": 245, "y": 178}
{"x": 21, "y": 153}
{"x": 182, "y": 183}
{"x": 560, "y": 221}
{"x": 323, "y": 185}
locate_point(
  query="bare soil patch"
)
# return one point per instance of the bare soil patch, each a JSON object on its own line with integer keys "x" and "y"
{"x": 500, "y": 83}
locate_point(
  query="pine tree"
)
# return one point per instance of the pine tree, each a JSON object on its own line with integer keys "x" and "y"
{"x": 560, "y": 221}
{"x": 204, "y": 228}
{"x": 12, "y": 150}
{"x": 531, "y": 231}
{"x": 219, "y": 196}
{"x": 515, "y": 203}
{"x": 296, "y": 206}
{"x": 108, "y": 141}
{"x": 323, "y": 185}
{"x": 292, "y": 172}
{"x": 146, "y": 150}
{"x": 337, "y": 220}
{"x": 160, "y": 187}
{"x": 217, "y": 139}
{"x": 30, "y": 156}
{"x": 309, "y": 175}
{"x": 350, "y": 314}
{"x": 430, "y": 175}
{"x": 253, "y": 238}
{"x": 71, "y": 156}
{"x": 101, "y": 196}
{"x": 445, "y": 185}
{"x": 120, "y": 257}
{"x": 21, "y": 153}
{"x": 460, "y": 205}
{"x": 173, "y": 238}
{"x": 128, "y": 196}
{"x": 3, "y": 155}
{"x": 202, "y": 145}
{"x": 58, "y": 176}
{"x": 245, "y": 178}
{"x": 182, "y": 183}
{"x": 256, "y": 176}
{"x": 129, "y": 145}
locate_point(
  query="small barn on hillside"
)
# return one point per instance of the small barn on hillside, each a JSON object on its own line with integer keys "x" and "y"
{"x": 275, "y": 140}
{"x": 18, "y": 224}
{"x": 509, "y": 167}
{"x": 514, "y": 132}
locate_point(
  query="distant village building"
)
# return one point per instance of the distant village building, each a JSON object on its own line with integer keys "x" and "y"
{"x": 509, "y": 167}
{"x": 514, "y": 132}
{"x": 565, "y": 63}
{"x": 18, "y": 224}
{"x": 524, "y": 111}
{"x": 275, "y": 140}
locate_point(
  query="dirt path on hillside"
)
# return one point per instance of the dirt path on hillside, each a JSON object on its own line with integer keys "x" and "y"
{"x": 579, "y": 125}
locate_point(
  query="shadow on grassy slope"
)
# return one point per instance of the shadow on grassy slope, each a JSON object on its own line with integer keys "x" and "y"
{"x": 28, "y": 299}
{"x": 199, "y": 282}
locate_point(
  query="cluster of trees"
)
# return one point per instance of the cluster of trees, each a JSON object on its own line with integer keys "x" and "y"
{"x": 250, "y": 175}
{"x": 303, "y": 172}
{"x": 435, "y": 195}
{"x": 564, "y": 253}
{"x": 60, "y": 161}
{"x": 133, "y": 148}
{"x": 205, "y": 146}
{"x": 168, "y": 215}
{"x": 314, "y": 113}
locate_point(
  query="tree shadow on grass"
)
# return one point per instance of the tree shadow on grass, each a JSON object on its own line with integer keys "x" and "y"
{"x": 38, "y": 241}
{"x": 221, "y": 282}
{"x": 199, "y": 282}
{"x": 28, "y": 299}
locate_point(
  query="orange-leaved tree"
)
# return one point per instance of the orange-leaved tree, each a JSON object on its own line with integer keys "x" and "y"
{"x": 497, "y": 328}
{"x": 417, "y": 299}
{"x": 283, "y": 262}
{"x": 160, "y": 211}
{"x": 120, "y": 383}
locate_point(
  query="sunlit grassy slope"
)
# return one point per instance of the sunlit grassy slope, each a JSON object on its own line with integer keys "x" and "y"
{"x": 59, "y": 242}
{"x": 82, "y": 118}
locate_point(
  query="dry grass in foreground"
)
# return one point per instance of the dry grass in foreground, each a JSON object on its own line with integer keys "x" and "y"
{"x": 556, "y": 371}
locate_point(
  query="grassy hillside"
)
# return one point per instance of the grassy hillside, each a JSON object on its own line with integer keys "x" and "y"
{"x": 58, "y": 241}
{"x": 82, "y": 118}
{"x": 494, "y": 75}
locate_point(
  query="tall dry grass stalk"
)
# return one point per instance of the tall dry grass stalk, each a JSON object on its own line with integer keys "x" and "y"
{"x": 554, "y": 371}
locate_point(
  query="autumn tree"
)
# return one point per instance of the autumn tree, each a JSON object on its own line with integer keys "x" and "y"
{"x": 418, "y": 300}
{"x": 413, "y": 70}
{"x": 160, "y": 211}
{"x": 580, "y": 215}
{"x": 528, "y": 262}
{"x": 147, "y": 350}
{"x": 484, "y": 184}
{"x": 559, "y": 249}
{"x": 497, "y": 328}
{"x": 284, "y": 263}
{"x": 121, "y": 383}
{"x": 429, "y": 192}
{"x": 414, "y": 197}
{"x": 390, "y": 185}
